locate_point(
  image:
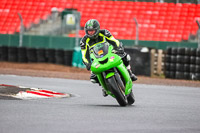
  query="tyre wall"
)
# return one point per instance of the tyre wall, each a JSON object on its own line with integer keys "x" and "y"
{"x": 182, "y": 63}
{"x": 36, "y": 55}
{"x": 140, "y": 60}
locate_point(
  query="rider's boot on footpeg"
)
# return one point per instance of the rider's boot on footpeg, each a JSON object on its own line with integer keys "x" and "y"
{"x": 93, "y": 78}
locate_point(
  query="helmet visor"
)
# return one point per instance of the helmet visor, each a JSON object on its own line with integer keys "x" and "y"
{"x": 91, "y": 32}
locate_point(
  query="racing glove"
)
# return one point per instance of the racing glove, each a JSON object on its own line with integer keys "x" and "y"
{"x": 118, "y": 50}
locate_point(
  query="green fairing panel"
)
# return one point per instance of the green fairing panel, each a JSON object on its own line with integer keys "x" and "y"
{"x": 101, "y": 80}
{"x": 110, "y": 75}
{"x": 99, "y": 68}
{"x": 126, "y": 76}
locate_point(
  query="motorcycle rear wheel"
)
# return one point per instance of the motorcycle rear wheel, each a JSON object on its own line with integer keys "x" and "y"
{"x": 131, "y": 98}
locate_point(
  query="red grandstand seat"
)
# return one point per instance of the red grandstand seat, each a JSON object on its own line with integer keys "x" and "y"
{"x": 185, "y": 36}
{"x": 156, "y": 37}
{"x": 166, "y": 21}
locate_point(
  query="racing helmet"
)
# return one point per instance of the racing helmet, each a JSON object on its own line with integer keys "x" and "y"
{"x": 92, "y": 24}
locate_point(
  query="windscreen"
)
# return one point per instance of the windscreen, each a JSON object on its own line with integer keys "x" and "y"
{"x": 100, "y": 50}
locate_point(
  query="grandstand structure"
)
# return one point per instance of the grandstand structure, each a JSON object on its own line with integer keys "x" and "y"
{"x": 157, "y": 21}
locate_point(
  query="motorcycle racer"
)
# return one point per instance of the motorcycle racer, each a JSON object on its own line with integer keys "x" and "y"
{"x": 95, "y": 35}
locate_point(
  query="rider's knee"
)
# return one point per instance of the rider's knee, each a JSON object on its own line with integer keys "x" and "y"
{"x": 126, "y": 59}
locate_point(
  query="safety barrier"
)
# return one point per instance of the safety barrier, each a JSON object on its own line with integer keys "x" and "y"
{"x": 175, "y": 63}
{"x": 33, "y": 55}
{"x": 47, "y": 42}
{"x": 182, "y": 63}
{"x": 68, "y": 43}
{"x": 140, "y": 60}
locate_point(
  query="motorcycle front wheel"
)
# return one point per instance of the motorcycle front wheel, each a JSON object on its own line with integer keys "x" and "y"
{"x": 117, "y": 91}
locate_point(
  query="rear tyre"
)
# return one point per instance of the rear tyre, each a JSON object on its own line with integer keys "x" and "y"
{"x": 131, "y": 98}
{"x": 117, "y": 91}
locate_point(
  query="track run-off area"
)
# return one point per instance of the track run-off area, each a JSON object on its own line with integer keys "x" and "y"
{"x": 158, "y": 108}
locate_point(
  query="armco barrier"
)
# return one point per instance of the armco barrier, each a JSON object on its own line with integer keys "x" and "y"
{"x": 182, "y": 63}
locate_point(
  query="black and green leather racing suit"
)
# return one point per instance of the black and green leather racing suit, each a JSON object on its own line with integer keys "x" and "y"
{"x": 86, "y": 44}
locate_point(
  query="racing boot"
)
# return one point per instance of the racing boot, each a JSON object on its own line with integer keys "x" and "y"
{"x": 133, "y": 77}
{"x": 93, "y": 78}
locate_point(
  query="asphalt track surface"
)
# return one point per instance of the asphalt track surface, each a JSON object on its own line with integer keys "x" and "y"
{"x": 158, "y": 109}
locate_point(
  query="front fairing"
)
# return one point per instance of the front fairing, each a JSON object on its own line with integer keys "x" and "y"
{"x": 103, "y": 59}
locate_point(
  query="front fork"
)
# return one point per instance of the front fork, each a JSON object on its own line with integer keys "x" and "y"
{"x": 103, "y": 81}
{"x": 125, "y": 84}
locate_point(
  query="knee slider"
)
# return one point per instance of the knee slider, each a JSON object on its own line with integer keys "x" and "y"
{"x": 128, "y": 57}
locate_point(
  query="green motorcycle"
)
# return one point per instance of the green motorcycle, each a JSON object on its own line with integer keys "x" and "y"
{"x": 112, "y": 73}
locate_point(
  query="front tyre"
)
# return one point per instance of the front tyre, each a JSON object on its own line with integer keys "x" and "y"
{"x": 119, "y": 94}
